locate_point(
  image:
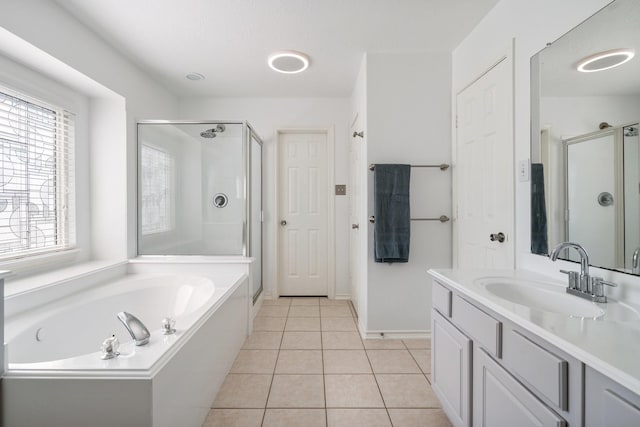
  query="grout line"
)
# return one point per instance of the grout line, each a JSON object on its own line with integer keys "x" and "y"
{"x": 264, "y": 414}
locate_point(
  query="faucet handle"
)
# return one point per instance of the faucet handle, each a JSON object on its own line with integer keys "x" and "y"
{"x": 598, "y": 287}
{"x": 574, "y": 279}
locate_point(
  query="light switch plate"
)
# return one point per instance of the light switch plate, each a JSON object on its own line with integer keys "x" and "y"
{"x": 341, "y": 190}
{"x": 523, "y": 170}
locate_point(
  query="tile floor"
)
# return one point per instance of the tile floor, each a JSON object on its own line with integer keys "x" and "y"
{"x": 306, "y": 365}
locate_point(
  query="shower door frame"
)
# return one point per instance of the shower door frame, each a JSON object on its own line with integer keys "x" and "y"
{"x": 247, "y": 133}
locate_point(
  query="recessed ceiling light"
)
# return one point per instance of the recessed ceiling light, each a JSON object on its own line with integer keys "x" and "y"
{"x": 605, "y": 60}
{"x": 194, "y": 76}
{"x": 288, "y": 61}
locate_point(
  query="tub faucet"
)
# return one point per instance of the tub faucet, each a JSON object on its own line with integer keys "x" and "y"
{"x": 136, "y": 328}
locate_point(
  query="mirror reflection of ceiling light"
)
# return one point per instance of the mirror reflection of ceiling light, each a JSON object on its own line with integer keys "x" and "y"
{"x": 288, "y": 61}
{"x": 605, "y": 60}
{"x": 194, "y": 76}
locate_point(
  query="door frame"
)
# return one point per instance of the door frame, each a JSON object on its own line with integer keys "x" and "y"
{"x": 331, "y": 211}
{"x": 508, "y": 53}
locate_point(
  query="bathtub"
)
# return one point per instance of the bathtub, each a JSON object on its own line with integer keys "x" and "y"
{"x": 54, "y": 374}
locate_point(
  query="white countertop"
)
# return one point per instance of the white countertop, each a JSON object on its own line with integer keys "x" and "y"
{"x": 609, "y": 344}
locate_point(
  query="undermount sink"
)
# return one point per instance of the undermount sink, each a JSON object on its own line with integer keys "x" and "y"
{"x": 540, "y": 296}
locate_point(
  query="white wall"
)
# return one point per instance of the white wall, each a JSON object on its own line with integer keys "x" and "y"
{"x": 408, "y": 121}
{"x": 43, "y": 36}
{"x": 266, "y": 115}
{"x": 532, "y": 25}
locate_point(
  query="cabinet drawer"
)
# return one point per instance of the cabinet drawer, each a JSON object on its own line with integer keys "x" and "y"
{"x": 501, "y": 401}
{"x": 543, "y": 370}
{"x": 482, "y": 328}
{"x": 441, "y": 299}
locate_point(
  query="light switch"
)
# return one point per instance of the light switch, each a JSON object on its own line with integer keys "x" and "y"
{"x": 341, "y": 190}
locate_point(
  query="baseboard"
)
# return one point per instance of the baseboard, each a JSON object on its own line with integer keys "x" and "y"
{"x": 343, "y": 296}
{"x": 372, "y": 335}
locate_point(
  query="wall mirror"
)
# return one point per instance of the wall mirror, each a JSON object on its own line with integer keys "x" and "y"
{"x": 585, "y": 160}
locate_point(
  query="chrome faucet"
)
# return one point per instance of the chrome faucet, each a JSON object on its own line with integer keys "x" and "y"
{"x": 136, "y": 328}
{"x": 635, "y": 262}
{"x": 584, "y": 286}
{"x": 583, "y": 281}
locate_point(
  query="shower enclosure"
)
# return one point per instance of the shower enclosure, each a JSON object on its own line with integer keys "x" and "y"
{"x": 200, "y": 190}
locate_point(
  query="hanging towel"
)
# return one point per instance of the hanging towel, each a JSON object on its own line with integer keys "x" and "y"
{"x": 538, "y": 211}
{"x": 391, "y": 231}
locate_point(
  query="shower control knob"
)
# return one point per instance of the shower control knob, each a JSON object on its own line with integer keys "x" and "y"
{"x": 500, "y": 237}
{"x": 283, "y": 222}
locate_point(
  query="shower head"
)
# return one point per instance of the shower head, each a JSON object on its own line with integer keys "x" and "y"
{"x": 631, "y": 131}
{"x": 211, "y": 133}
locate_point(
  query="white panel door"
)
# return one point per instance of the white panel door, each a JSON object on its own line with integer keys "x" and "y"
{"x": 484, "y": 171}
{"x": 355, "y": 185}
{"x": 303, "y": 224}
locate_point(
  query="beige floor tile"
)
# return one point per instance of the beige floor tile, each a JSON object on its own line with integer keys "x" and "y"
{"x": 301, "y": 341}
{"x": 392, "y": 362}
{"x": 269, "y": 324}
{"x": 340, "y": 324}
{"x": 419, "y": 418}
{"x": 346, "y": 362}
{"x": 299, "y": 362}
{"x": 334, "y": 302}
{"x": 294, "y": 418}
{"x": 352, "y": 391}
{"x": 423, "y": 358}
{"x": 335, "y": 311}
{"x": 305, "y": 301}
{"x": 263, "y": 340}
{"x": 304, "y": 311}
{"x": 357, "y": 418}
{"x": 407, "y": 391}
{"x": 341, "y": 341}
{"x": 234, "y": 418}
{"x": 278, "y": 301}
{"x": 255, "y": 362}
{"x": 243, "y": 391}
{"x": 384, "y": 344}
{"x": 417, "y": 343}
{"x": 308, "y": 324}
{"x": 296, "y": 391}
{"x": 273, "y": 311}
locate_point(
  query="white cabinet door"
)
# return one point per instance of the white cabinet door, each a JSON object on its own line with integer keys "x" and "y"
{"x": 451, "y": 369}
{"x": 608, "y": 404}
{"x": 501, "y": 401}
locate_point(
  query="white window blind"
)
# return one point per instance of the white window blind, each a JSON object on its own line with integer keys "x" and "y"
{"x": 156, "y": 185}
{"x": 37, "y": 198}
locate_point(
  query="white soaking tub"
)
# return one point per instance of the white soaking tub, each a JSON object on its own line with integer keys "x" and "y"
{"x": 55, "y": 376}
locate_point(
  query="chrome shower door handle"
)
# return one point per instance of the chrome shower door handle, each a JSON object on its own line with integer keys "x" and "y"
{"x": 500, "y": 237}
{"x": 283, "y": 222}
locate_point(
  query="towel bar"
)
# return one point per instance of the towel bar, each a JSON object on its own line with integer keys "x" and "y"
{"x": 442, "y": 218}
{"x": 442, "y": 166}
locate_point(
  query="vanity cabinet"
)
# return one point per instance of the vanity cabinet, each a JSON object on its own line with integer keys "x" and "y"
{"x": 489, "y": 372}
{"x": 451, "y": 369}
{"x": 608, "y": 404}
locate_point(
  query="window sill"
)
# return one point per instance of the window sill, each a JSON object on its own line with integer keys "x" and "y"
{"x": 34, "y": 264}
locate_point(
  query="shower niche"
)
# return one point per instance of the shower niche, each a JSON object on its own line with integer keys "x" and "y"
{"x": 200, "y": 190}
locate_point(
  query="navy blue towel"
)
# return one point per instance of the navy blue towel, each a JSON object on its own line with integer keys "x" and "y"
{"x": 538, "y": 211}
{"x": 391, "y": 232}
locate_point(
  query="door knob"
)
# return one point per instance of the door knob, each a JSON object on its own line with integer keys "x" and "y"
{"x": 283, "y": 222}
{"x": 355, "y": 226}
{"x": 500, "y": 237}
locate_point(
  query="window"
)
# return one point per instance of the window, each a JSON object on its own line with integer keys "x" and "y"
{"x": 36, "y": 177}
{"x": 156, "y": 184}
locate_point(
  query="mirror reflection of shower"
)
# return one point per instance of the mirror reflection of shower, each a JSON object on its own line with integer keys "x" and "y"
{"x": 211, "y": 133}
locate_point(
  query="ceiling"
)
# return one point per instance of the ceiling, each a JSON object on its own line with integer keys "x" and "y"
{"x": 616, "y": 26}
{"x": 228, "y": 41}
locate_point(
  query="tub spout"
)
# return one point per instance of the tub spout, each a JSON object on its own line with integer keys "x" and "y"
{"x": 136, "y": 328}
